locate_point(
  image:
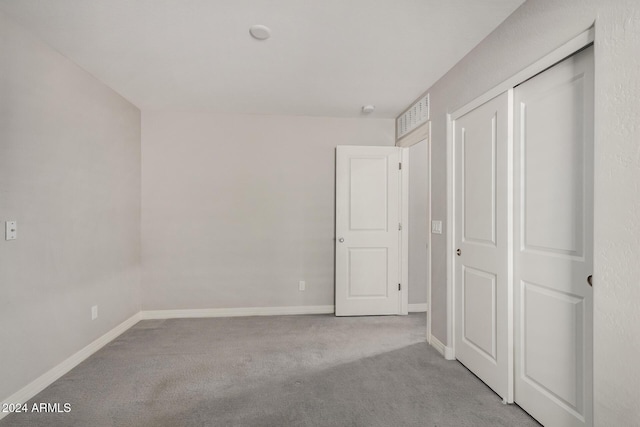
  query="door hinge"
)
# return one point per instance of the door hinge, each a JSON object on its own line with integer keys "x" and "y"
{"x": 399, "y": 287}
{"x": 399, "y": 227}
{"x": 400, "y": 166}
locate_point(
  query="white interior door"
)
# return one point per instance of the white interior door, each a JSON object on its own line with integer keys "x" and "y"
{"x": 481, "y": 287}
{"x": 367, "y": 230}
{"x": 554, "y": 243}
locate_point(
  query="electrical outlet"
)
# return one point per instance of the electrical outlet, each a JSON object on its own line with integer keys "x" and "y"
{"x": 11, "y": 230}
{"x": 301, "y": 285}
{"x": 94, "y": 312}
{"x": 436, "y": 227}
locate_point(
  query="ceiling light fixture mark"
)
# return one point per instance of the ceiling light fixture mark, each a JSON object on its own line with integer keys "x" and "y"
{"x": 260, "y": 32}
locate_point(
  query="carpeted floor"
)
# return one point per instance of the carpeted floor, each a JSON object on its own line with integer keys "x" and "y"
{"x": 315, "y": 370}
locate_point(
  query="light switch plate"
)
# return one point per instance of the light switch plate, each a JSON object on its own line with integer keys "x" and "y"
{"x": 436, "y": 227}
{"x": 11, "y": 230}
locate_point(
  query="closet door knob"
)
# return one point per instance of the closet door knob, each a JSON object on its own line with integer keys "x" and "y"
{"x": 458, "y": 252}
{"x": 341, "y": 240}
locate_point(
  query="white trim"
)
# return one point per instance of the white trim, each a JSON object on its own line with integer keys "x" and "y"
{"x": 236, "y": 312}
{"x": 46, "y": 379}
{"x": 450, "y": 230}
{"x": 404, "y": 234}
{"x": 429, "y": 219}
{"x": 449, "y": 353}
{"x": 511, "y": 383}
{"x": 437, "y": 344}
{"x": 418, "y": 308}
{"x": 569, "y": 48}
{"x": 416, "y": 135}
{"x": 446, "y": 352}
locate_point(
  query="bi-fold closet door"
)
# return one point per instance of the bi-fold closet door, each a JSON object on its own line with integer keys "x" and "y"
{"x": 523, "y": 194}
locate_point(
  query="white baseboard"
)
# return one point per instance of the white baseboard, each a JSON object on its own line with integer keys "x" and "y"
{"x": 445, "y": 351}
{"x": 236, "y": 312}
{"x": 46, "y": 379}
{"x": 449, "y": 354}
{"x": 418, "y": 308}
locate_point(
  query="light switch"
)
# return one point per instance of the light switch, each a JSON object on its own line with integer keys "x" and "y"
{"x": 11, "y": 230}
{"x": 436, "y": 227}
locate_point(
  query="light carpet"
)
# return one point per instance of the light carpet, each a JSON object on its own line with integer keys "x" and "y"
{"x": 313, "y": 370}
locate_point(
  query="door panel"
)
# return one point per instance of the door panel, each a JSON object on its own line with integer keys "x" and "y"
{"x": 368, "y": 273}
{"x": 553, "y": 167}
{"x": 368, "y": 201}
{"x": 479, "y": 313}
{"x": 479, "y": 186}
{"x": 554, "y": 243}
{"x": 546, "y": 353}
{"x": 481, "y": 282}
{"x": 367, "y": 235}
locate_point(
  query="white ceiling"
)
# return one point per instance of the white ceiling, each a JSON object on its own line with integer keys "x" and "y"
{"x": 325, "y": 57}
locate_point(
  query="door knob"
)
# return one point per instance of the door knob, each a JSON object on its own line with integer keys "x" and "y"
{"x": 341, "y": 240}
{"x": 458, "y": 252}
{"x": 590, "y": 280}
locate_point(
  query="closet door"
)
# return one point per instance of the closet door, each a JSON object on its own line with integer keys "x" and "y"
{"x": 554, "y": 243}
{"x": 482, "y": 339}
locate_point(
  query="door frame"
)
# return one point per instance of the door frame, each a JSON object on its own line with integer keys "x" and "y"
{"x": 404, "y": 233}
{"x": 577, "y": 43}
{"x": 429, "y": 219}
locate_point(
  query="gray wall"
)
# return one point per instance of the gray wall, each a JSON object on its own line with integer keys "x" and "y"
{"x": 236, "y": 209}
{"x": 535, "y": 29}
{"x": 418, "y": 227}
{"x": 617, "y": 216}
{"x": 70, "y": 176}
